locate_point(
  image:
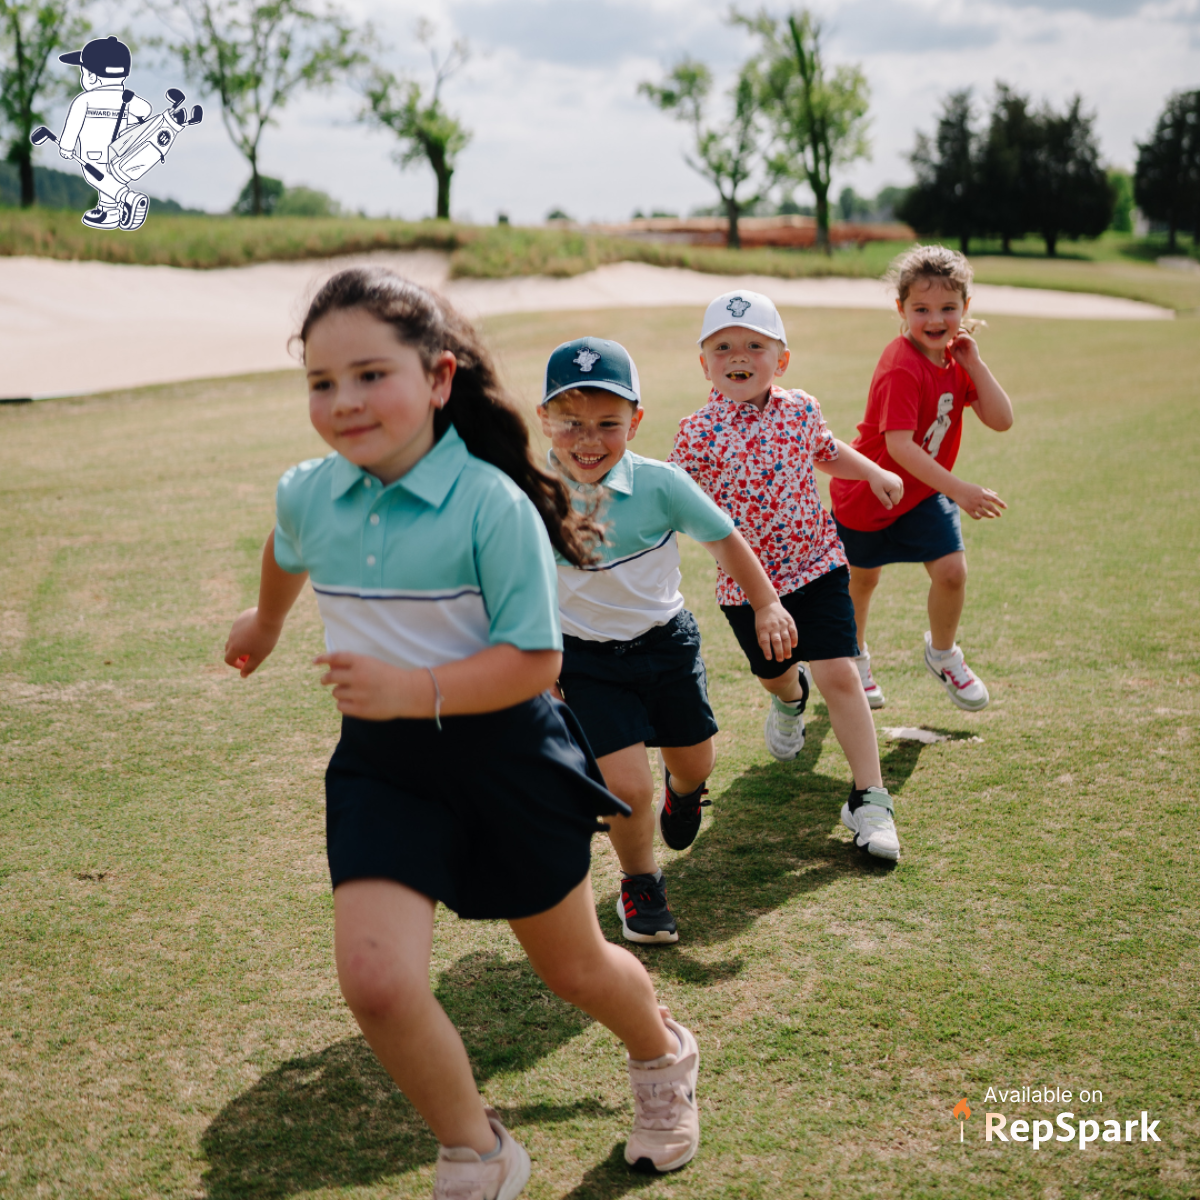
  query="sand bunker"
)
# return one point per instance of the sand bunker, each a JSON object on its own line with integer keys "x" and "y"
{"x": 74, "y": 327}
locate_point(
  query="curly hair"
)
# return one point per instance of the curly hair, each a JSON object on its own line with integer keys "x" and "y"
{"x": 480, "y": 408}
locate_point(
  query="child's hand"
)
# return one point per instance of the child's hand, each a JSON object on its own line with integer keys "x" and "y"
{"x": 978, "y": 502}
{"x": 776, "y": 631}
{"x": 964, "y": 350}
{"x": 249, "y": 643}
{"x": 374, "y": 690}
{"x": 888, "y": 488}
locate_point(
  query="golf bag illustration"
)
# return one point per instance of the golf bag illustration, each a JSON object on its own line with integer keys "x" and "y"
{"x": 114, "y": 134}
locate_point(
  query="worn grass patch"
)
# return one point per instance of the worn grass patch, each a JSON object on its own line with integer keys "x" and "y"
{"x": 170, "y": 1024}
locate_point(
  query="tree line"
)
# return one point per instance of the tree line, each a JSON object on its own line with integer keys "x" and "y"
{"x": 789, "y": 119}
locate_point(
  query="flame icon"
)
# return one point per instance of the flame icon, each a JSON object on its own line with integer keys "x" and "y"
{"x": 962, "y": 1109}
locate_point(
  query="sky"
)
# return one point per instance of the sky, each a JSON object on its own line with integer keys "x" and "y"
{"x": 550, "y": 95}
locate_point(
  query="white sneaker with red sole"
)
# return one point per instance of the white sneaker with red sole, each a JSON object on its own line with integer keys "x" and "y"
{"x": 950, "y": 669}
{"x": 873, "y": 690}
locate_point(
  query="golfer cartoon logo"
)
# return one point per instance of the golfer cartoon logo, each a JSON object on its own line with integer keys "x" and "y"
{"x": 114, "y": 135}
{"x": 738, "y": 307}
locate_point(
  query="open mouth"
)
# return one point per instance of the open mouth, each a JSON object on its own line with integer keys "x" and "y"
{"x": 738, "y": 376}
{"x": 588, "y": 461}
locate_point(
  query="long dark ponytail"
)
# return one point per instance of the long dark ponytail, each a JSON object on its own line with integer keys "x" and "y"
{"x": 485, "y": 416}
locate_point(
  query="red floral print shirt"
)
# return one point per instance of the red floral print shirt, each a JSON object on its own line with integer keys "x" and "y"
{"x": 758, "y": 466}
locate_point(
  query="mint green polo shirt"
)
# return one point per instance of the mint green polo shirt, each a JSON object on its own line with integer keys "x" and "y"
{"x": 635, "y": 586}
{"x": 447, "y": 560}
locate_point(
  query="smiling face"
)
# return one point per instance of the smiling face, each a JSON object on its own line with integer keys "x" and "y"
{"x": 589, "y": 429}
{"x": 933, "y": 311}
{"x": 742, "y": 364}
{"x": 369, "y": 395}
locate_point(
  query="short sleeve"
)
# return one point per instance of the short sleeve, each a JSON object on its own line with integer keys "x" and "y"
{"x": 899, "y": 400}
{"x": 822, "y": 441}
{"x": 288, "y": 512}
{"x": 693, "y": 513}
{"x": 515, "y": 562}
{"x": 683, "y": 455}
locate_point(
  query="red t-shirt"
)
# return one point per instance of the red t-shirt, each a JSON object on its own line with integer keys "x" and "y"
{"x": 907, "y": 392}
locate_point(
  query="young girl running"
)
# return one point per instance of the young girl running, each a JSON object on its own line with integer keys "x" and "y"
{"x": 457, "y": 777}
{"x": 913, "y": 426}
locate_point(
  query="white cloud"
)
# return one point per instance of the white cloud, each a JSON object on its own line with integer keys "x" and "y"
{"x": 550, "y": 95}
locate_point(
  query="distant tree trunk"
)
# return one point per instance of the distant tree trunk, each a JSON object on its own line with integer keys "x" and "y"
{"x": 1172, "y": 230}
{"x": 25, "y": 169}
{"x": 256, "y": 206}
{"x": 1051, "y": 243}
{"x": 443, "y": 173}
{"x": 733, "y": 210}
{"x": 964, "y": 244}
{"x": 1005, "y": 244}
{"x": 822, "y": 195}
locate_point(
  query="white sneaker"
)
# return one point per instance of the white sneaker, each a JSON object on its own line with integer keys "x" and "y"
{"x": 948, "y": 667}
{"x": 463, "y": 1175}
{"x": 784, "y": 732}
{"x": 666, "y": 1121}
{"x": 872, "y": 824}
{"x": 873, "y": 690}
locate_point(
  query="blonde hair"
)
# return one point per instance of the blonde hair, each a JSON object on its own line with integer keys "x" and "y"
{"x": 932, "y": 263}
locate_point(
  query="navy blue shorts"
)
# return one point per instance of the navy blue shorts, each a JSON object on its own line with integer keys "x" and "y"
{"x": 652, "y": 689}
{"x": 824, "y": 620}
{"x": 923, "y": 534}
{"x": 493, "y": 815}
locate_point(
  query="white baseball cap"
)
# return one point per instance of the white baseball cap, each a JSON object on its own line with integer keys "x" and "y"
{"x": 749, "y": 310}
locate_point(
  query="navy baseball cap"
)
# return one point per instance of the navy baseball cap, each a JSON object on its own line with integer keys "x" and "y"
{"x": 102, "y": 56}
{"x": 592, "y": 363}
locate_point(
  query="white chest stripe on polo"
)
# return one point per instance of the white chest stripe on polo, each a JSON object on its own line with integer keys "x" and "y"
{"x": 407, "y": 629}
{"x": 621, "y": 599}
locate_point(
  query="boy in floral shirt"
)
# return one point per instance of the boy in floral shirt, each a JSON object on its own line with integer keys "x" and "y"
{"x": 753, "y": 448}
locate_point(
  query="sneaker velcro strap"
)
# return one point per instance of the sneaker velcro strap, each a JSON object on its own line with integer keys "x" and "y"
{"x": 880, "y": 796}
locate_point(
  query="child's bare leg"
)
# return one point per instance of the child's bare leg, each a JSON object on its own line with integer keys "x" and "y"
{"x": 863, "y": 582}
{"x": 567, "y": 949}
{"x": 786, "y": 686}
{"x": 947, "y": 594}
{"x": 689, "y": 766}
{"x": 383, "y": 935}
{"x": 850, "y": 716}
{"x": 627, "y": 774}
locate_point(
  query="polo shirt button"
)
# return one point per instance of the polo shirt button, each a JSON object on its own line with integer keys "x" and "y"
{"x": 366, "y": 483}
{"x": 370, "y": 560}
{"x": 374, "y": 518}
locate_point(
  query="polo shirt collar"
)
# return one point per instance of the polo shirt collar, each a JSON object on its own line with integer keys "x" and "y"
{"x": 777, "y": 393}
{"x": 430, "y": 480}
{"x": 619, "y": 479}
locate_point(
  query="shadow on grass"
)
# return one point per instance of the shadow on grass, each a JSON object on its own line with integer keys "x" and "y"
{"x": 334, "y": 1118}
{"x": 769, "y": 839}
{"x": 611, "y": 1178}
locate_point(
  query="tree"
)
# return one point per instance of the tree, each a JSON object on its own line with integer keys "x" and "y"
{"x": 269, "y": 193}
{"x": 1071, "y": 194}
{"x": 945, "y": 198}
{"x": 727, "y": 154}
{"x": 30, "y": 33}
{"x": 256, "y": 57}
{"x": 820, "y": 119}
{"x": 1008, "y": 170}
{"x": 426, "y": 130}
{"x": 1167, "y": 177}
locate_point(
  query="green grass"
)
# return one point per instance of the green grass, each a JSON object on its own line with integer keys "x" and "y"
{"x": 171, "y": 1025}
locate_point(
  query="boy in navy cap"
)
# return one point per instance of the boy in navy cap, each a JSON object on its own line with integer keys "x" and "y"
{"x": 632, "y": 670}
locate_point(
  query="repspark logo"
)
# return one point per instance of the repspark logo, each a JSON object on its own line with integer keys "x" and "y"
{"x": 1041, "y": 1130}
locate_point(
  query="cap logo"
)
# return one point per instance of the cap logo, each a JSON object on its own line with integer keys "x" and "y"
{"x": 586, "y": 359}
{"x": 738, "y": 307}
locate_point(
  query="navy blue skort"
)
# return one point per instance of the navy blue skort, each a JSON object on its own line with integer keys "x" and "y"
{"x": 493, "y": 815}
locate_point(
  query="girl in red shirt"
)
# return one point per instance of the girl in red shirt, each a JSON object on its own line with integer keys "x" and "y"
{"x": 925, "y": 379}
